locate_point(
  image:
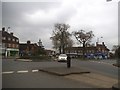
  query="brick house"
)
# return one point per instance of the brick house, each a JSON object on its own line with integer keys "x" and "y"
{"x": 98, "y": 50}
{"x": 10, "y": 44}
{"x": 50, "y": 52}
{"x": 28, "y": 49}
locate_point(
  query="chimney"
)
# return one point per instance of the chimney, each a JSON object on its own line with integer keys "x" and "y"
{"x": 3, "y": 29}
{"x": 96, "y": 43}
{"x": 103, "y": 43}
{"x": 11, "y": 33}
{"x": 28, "y": 42}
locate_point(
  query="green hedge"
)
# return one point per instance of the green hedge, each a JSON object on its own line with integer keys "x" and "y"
{"x": 38, "y": 58}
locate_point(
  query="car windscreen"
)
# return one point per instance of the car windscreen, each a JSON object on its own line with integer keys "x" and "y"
{"x": 63, "y": 55}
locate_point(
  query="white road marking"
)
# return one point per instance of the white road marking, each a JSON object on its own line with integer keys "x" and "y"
{"x": 101, "y": 62}
{"x": 9, "y": 72}
{"x": 25, "y": 71}
{"x": 26, "y": 60}
{"x": 35, "y": 70}
{"x": 21, "y": 71}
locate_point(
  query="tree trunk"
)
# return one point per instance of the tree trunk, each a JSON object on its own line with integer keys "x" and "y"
{"x": 62, "y": 42}
{"x": 83, "y": 49}
{"x": 63, "y": 49}
{"x": 60, "y": 49}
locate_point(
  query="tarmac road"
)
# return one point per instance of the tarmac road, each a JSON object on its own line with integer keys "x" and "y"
{"x": 104, "y": 67}
{"x": 17, "y": 74}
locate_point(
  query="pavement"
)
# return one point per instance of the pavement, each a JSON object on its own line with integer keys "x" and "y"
{"x": 95, "y": 79}
{"x": 75, "y": 72}
{"x": 81, "y": 75}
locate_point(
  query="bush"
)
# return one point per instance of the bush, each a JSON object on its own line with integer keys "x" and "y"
{"x": 37, "y": 58}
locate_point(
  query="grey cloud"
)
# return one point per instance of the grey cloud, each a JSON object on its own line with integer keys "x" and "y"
{"x": 34, "y": 20}
{"x": 0, "y": 14}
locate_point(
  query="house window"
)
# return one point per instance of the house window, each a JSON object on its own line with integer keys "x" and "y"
{"x": 103, "y": 50}
{"x": 17, "y": 45}
{"x": 17, "y": 40}
{"x": 13, "y": 45}
{"x": 13, "y": 39}
{"x": 9, "y": 39}
{"x": 90, "y": 51}
{"x": 75, "y": 51}
{"x": 4, "y": 38}
{"x": 9, "y": 45}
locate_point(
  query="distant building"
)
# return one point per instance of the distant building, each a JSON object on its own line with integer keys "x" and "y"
{"x": 10, "y": 44}
{"x": 100, "y": 50}
{"x": 50, "y": 52}
{"x": 30, "y": 49}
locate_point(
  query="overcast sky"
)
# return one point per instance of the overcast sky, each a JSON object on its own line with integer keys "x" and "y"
{"x": 34, "y": 20}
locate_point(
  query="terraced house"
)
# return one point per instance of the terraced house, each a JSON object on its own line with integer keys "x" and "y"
{"x": 10, "y": 44}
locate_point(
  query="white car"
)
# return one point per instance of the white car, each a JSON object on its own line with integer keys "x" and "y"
{"x": 62, "y": 58}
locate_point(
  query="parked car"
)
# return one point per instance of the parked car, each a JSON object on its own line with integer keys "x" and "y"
{"x": 62, "y": 58}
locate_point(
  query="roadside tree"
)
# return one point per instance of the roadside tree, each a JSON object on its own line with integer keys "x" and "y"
{"x": 116, "y": 50}
{"x": 61, "y": 37}
{"x": 84, "y": 38}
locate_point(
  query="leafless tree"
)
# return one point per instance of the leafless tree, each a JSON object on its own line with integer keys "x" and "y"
{"x": 61, "y": 37}
{"x": 83, "y": 38}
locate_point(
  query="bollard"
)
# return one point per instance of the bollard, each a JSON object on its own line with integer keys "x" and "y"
{"x": 68, "y": 61}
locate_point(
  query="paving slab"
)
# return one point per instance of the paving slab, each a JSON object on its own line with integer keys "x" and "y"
{"x": 63, "y": 71}
{"x": 94, "y": 79}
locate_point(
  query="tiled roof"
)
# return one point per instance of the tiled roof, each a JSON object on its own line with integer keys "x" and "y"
{"x": 4, "y": 33}
{"x": 23, "y": 46}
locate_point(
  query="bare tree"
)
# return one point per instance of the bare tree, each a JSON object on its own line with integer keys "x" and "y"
{"x": 83, "y": 38}
{"x": 116, "y": 49}
{"x": 61, "y": 37}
